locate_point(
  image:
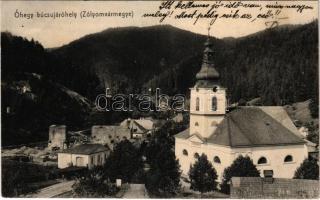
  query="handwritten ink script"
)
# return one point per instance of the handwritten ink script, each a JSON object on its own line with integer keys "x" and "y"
{"x": 271, "y": 12}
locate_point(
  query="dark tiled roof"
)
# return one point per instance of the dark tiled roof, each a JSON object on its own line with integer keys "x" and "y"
{"x": 183, "y": 134}
{"x": 86, "y": 149}
{"x": 253, "y": 126}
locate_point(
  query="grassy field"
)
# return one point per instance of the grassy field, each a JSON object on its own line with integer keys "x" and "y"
{"x": 24, "y": 177}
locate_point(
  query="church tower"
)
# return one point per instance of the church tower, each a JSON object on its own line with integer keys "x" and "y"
{"x": 208, "y": 98}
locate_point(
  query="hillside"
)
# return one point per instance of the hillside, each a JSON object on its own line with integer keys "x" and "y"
{"x": 31, "y": 103}
{"x": 279, "y": 65}
{"x": 20, "y": 55}
{"x": 301, "y": 114}
{"x": 125, "y": 58}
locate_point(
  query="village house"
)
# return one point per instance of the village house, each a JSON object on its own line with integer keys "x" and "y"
{"x": 139, "y": 128}
{"x": 264, "y": 133}
{"x": 84, "y": 155}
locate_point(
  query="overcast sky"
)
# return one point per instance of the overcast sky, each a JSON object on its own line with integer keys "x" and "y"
{"x": 56, "y": 32}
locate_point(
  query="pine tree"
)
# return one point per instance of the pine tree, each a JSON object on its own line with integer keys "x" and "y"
{"x": 123, "y": 162}
{"x": 163, "y": 179}
{"x": 241, "y": 167}
{"x": 203, "y": 176}
{"x": 309, "y": 169}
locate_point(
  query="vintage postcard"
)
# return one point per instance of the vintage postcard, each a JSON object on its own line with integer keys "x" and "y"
{"x": 160, "y": 99}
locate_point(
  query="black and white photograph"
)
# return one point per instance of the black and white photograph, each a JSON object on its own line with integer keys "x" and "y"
{"x": 160, "y": 99}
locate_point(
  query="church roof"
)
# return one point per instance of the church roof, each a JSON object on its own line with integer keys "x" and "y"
{"x": 254, "y": 126}
{"x": 208, "y": 75}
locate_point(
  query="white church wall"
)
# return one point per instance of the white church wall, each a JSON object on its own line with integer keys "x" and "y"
{"x": 222, "y": 152}
{"x": 275, "y": 156}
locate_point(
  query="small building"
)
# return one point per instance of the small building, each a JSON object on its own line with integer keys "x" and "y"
{"x": 57, "y": 137}
{"x": 84, "y": 155}
{"x": 139, "y": 127}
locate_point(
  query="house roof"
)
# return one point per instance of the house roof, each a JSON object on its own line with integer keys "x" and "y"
{"x": 254, "y": 126}
{"x": 86, "y": 149}
{"x": 141, "y": 128}
{"x": 145, "y": 123}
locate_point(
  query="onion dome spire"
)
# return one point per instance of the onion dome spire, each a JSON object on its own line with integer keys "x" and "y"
{"x": 208, "y": 76}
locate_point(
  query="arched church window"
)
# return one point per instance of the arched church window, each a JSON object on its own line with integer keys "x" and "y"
{"x": 185, "y": 152}
{"x": 214, "y": 104}
{"x": 197, "y": 104}
{"x": 216, "y": 159}
{"x": 262, "y": 160}
{"x": 288, "y": 158}
{"x": 196, "y": 155}
{"x": 196, "y": 124}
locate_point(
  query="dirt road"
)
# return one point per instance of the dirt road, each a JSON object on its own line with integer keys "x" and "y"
{"x": 136, "y": 191}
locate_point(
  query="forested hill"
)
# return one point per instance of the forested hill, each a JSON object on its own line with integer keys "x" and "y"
{"x": 126, "y": 58}
{"x": 280, "y": 65}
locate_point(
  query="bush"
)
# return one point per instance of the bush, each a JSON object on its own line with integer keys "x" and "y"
{"x": 94, "y": 184}
{"x": 17, "y": 176}
{"x": 313, "y": 132}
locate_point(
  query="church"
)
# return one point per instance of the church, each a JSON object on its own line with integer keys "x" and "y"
{"x": 265, "y": 133}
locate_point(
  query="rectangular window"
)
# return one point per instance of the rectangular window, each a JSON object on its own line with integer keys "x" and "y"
{"x": 214, "y": 104}
{"x": 197, "y": 104}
